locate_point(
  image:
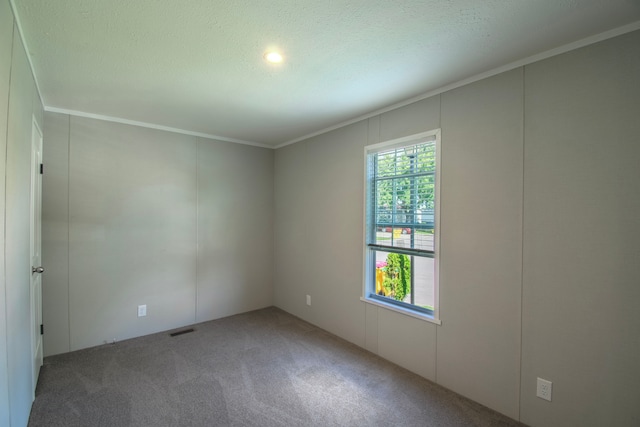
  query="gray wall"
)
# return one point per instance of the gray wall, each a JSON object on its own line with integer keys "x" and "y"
{"x": 19, "y": 105}
{"x": 140, "y": 216}
{"x": 539, "y": 263}
{"x": 6, "y": 42}
{"x": 235, "y": 229}
{"x": 481, "y": 241}
{"x": 581, "y": 291}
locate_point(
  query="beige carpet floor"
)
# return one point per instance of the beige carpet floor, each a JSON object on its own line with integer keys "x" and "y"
{"x": 263, "y": 368}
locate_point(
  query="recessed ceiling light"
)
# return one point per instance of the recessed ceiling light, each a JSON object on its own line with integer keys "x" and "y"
{"x": 273, "y": 57}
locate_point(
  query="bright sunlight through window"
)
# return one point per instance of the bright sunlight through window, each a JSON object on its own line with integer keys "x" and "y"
{"x": 402, "y": 185}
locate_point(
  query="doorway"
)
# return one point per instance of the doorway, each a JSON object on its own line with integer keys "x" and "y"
{"x": 36, "y": 251}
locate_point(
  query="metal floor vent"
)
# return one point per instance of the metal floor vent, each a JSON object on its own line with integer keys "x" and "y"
{"x": 184, "y": 331}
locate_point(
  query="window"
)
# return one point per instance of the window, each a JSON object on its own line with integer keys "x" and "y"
{"x": 401, "y": 248}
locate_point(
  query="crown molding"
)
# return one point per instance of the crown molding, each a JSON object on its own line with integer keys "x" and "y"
{"x": 516, "y": 64}
{"x": 16, "y": 18}
{"x": 152, "y": 126}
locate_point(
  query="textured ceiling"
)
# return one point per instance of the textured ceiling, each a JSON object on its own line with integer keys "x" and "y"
{"x": 197, "y": 65}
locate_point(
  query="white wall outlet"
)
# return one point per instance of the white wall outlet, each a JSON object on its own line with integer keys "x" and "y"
{"x": 142, "y": 310}
{"x": 544, "y": 389}
{"x": 308, "y": 299}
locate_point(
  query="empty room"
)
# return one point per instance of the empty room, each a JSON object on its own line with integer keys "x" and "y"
{"x": 304, "y": 213}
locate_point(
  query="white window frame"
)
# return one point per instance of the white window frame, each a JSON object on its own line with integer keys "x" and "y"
{"x": 369, "y": 261}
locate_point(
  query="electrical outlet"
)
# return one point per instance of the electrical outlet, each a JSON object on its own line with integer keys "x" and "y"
{"x": 142, "y": 310}
{"x": 544, "y": 389}
{"x": 308, "y": 299}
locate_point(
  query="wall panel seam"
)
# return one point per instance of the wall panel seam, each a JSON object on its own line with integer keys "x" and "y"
{"x": 69, "y": 229}
{"x": 522, "y": 245}
{"x": 435, "y": 350}
{"x": 195, "y": 308}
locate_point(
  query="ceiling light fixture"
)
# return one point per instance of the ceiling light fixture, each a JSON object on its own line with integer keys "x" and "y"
{"x": 273, "y": 57}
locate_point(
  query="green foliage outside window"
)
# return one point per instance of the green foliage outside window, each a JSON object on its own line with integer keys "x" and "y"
{"x": 397, "y": 281}
{"x": 406, "y": 183}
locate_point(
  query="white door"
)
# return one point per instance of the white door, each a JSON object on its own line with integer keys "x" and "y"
{"x": 36, "y": 245}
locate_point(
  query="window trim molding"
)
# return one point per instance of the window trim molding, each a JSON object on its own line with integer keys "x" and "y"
{"x": 398, "y": 309}
{"x": 367, "y": 275}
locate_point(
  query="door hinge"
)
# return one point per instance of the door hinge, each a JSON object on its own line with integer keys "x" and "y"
{"x": 41, "y": 329}
{"x": 41, "y": 169}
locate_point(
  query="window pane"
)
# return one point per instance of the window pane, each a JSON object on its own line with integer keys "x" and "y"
{"x": 387, "y": 163}
{"x": 424, "y": 239}
{"x": 393, "y": 278}
{"x": 396, "y": 236}
{"x": 424, "y": 279}
{"x": 401, "y": 205}
{"x": 404, "y": 197}
{"x": 384, "y": 201}
{"x": 426, "y": 157}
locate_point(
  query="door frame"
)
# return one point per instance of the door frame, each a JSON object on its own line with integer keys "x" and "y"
{"x": 35, "y": 250}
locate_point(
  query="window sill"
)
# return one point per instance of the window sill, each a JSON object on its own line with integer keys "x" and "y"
{"x": 402, "y": 310}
